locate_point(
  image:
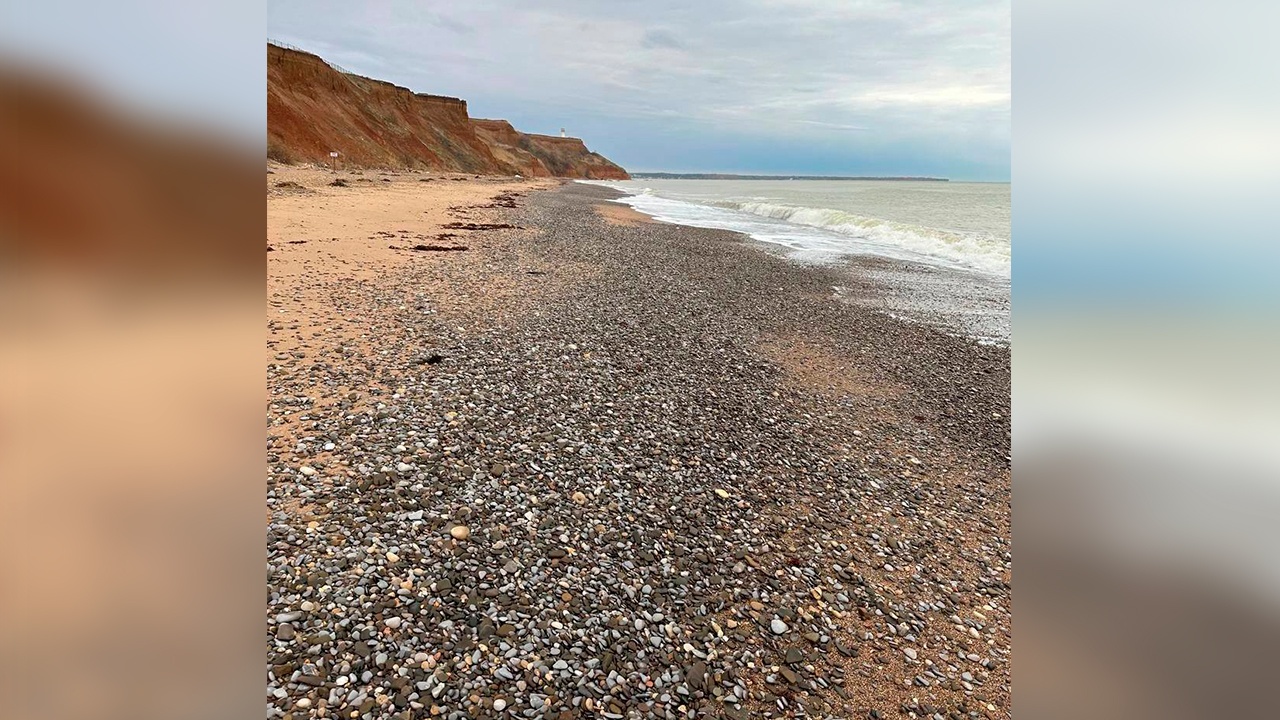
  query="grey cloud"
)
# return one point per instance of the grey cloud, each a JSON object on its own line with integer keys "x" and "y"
{"x": 454, "y": 25}
{"x": 933, "y": 71}
{"x": 660, "y": 39}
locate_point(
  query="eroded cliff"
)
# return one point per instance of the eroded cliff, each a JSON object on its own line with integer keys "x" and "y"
{"x": 569, "y": 157}
{"x": 313, "y": 109}
{"x": 504, "y": 142}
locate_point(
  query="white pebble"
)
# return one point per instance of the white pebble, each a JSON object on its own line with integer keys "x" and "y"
{"x": 392, "y": 623}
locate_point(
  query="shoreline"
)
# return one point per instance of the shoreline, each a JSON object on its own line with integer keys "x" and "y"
{"x": 966, "y": 303}
{"x": 943, "y": 293}
{"x": 689, "y": 475}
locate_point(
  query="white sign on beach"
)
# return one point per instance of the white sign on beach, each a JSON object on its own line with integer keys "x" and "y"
{"x": 333, "y": 154}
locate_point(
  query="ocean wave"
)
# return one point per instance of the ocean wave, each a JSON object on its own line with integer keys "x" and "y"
{"x": 816, "y": 234}
{"x": 978, "y": 250}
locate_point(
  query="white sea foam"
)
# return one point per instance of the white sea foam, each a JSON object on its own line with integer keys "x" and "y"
{"x": 818, "y": 234}
{"x": 969, "y": 296}
{"x": 977, "y": 250}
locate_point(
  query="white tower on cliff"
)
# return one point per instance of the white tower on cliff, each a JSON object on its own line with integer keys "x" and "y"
{"x": 562, "y": 132}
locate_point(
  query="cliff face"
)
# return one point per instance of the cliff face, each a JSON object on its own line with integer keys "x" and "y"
{"x": 504, "y": 142}
{"x": 569, "y": 157}
{"x": 313, "y": 109}
{"x": 544, "y": 155}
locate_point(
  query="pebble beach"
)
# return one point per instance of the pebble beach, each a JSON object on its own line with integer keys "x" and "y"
{"x": 588, "y": 465}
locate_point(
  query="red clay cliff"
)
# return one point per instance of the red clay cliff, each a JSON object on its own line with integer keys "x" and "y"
{"x": 313, "y": 109}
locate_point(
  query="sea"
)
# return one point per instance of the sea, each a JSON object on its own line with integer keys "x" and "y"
{"x": 941, "y": 250}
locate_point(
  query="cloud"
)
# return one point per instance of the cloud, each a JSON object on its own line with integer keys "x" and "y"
{"x": 838, "y": 126}
{"x": 660, "y": 39}
{"x": 454, "y": 25}
{"x": 929, "y": 75}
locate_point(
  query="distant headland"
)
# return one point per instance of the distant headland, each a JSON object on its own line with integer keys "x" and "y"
{"x": 732, "y": 176}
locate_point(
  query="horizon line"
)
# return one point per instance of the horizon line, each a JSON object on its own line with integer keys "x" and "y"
{"x": 788, "y": 176}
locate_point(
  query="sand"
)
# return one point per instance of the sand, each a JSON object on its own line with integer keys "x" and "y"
{"x": 318, "y": 233}
{"x": 321, "y": 236}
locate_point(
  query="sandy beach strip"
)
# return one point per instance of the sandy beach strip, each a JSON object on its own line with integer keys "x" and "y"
{"x": 594, "y": 465}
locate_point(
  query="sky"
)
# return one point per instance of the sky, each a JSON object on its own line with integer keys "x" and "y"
{"x": 825, "y": 87}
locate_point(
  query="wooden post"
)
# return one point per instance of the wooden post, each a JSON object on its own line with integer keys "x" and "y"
{"x": 333, "y": 160}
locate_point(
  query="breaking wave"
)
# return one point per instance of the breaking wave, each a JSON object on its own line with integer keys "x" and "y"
{"x": 977, "y": 250}
{"x": 821, "y": 234}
